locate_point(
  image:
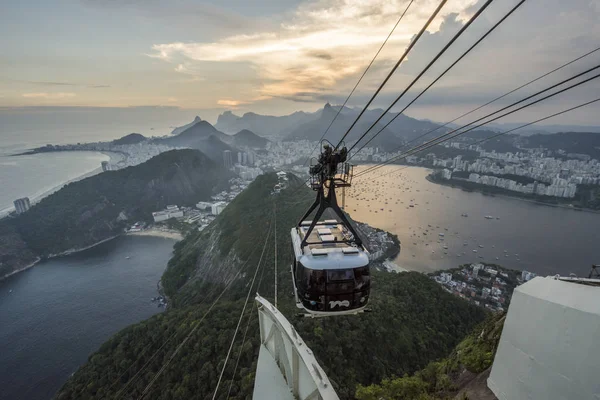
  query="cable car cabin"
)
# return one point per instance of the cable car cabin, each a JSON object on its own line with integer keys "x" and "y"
{"x": 331, "y": 274}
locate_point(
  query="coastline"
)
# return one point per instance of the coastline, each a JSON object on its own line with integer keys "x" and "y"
{"x": 506, "y": 196}
{"x": 158, "y": 233}
{"x": 150, "y": 232}
{"x": 64, "y": 253}
{"x": 114, "y": 158}
{"x": 16, "y": 271}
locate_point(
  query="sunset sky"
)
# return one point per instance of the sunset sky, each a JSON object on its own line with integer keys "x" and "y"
{"x": 279, "y": 56}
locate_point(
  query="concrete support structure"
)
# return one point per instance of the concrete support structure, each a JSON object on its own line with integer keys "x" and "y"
{"x": 549, "y": 345}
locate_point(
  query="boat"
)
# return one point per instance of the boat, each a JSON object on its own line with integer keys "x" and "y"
{"x": 474, "y": 251}
{"x": 481, "y": 246}
{"x": 464, "y": 215}
{"x": 127, "y": 258}
{"x": 489, "y": 217}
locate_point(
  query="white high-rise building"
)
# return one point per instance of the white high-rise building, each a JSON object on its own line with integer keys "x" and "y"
{"x": 22, "y": 205}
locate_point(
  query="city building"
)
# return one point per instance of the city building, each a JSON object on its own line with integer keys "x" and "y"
{"x": 476, "y": 268}
{"x": 218, "y": 207}
{"x": 227, "y": 160}
{"x": 171, "y": 211}
{"x": 203, "y": 205}
{"x": 526, "y": 276}
{"x": 446, "y": 277}
{"x": 22, "y": 205}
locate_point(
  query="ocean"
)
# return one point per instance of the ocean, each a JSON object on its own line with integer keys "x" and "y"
{"x": 54, "y": 315}
{"x": 37, "y": 175}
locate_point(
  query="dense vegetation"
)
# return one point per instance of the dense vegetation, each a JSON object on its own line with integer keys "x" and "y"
{"x": 587, "y": 143}
{"x": 99, "y": 207}
{"x": 413, "y": 320}
{"x": 446, "y": 378}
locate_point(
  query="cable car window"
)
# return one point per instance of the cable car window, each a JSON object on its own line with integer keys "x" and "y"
{"x": 314, "y": 280}
{"x": 340, "y": 275}
{"x": 340, "y": 287}
{"x": 362, "y": 277}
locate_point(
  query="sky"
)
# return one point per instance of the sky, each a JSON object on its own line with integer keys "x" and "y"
{"x": 279, "y": 56}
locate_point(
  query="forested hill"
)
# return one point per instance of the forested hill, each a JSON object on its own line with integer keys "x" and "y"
{"x": 461, "y": 375}
{"x": 413, "y": 321}
{"x": 87, "y": 211}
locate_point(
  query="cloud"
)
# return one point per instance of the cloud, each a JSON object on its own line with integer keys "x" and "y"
{"x": 50, "y": 96}
{"x": 322, "y": 44}
{"x": 71, "y": 84}
{"x": 231, "y": 103}
{"x": 321, "y": 49}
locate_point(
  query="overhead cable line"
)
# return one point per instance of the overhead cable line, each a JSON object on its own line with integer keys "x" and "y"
{"x": 237, "y": 361}
{"x": 275, "y": 244}
{"x": 197, "y": 324}
{"x": 454, "y": 133}
{"x": 436, "y": 79}
{"x": 137, "y": 374}
{"x": 510, "y": 130}
{"x": 488, "y": 103}
{"x": 359, "y": 80}
{"x": 387, "y": 78}
{"x": 242, "y": 313}
{"x": 165, "y": 365}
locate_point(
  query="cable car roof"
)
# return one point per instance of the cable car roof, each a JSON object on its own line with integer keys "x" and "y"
{"x": 320, "y": 255}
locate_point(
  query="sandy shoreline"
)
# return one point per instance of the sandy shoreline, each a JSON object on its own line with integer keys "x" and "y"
{"x": 158, "y": 233}
{"x": 16, "y": 271}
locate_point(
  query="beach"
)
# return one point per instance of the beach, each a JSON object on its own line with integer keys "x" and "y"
{"x": 158, "y": 233}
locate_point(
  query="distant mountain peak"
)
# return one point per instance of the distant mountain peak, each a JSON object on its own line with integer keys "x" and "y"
{"x": 132, "y": 138}
{"x": 246, "y": 137}
{"x": 180, "y": 129}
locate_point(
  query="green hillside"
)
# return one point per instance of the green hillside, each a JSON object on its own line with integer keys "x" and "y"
{"x": 454, "y": 375}
{"x": 96, "y": 208}
{"x": 413, "y": 320}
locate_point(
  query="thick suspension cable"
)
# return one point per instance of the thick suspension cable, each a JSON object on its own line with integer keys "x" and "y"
{"x": 489, "y": 102}
{"x": 242, "y": 313}
{"x": 387, "y": 78}
{"x": 509, "y": 131}
{"x": 359, "y": 80}
{"x": 454, "y": 133}
{"x": 436, "y": 79}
